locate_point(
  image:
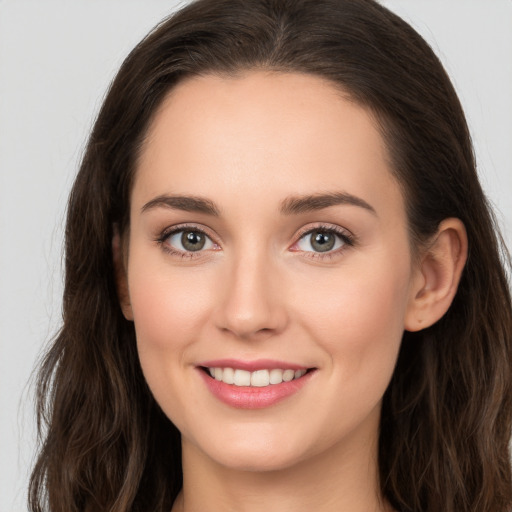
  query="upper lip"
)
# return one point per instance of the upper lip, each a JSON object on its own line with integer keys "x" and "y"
{"x": 252, "y": 366}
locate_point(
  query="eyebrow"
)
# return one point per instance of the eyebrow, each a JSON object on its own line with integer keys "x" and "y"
{"x": 185, "y": 203}
{"x": 308, "y": 203}
{"x": 293, "y": 205}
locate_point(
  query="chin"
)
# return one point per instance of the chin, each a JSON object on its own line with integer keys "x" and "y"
{"x": 248, "y": 450}
{"x": 257, "y": 462}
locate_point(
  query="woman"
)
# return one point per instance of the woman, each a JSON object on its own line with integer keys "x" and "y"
{"x": 283, "y": 283}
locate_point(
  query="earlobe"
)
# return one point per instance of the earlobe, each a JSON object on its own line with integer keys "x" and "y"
{"x": 437, "y": 276}
{"x": 121, "y": 275}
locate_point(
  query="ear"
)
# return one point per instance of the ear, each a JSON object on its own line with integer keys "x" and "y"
{"x": 437, "y": 276}
{"x": 121, "y": 277}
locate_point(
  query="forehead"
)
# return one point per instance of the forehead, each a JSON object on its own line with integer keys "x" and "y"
{"x": 277, "y": 133}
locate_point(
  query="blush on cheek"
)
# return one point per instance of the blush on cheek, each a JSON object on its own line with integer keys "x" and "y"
{"x": 161, "y": 334}
{"x": 360, "y": 320}
{"x": 159, "y": 300}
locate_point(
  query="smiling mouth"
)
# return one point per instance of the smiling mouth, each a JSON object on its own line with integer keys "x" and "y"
{"x": 257, "y": 379}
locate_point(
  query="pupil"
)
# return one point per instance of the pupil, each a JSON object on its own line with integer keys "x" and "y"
{"x": 192, "y": 240}
{"x": 322, "y": 242}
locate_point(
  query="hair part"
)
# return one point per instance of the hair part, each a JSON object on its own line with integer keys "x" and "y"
{"x": 447, "y": 413}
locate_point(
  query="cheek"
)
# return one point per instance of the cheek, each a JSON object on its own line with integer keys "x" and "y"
{"x": 169, "y": 311}
{"x": 168, "y": 308}
{"x": 358, "y": 318}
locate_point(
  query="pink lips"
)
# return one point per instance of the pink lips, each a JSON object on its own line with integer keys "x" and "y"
{"x": 251, "y": 366}
{"x": 248, "y": 397}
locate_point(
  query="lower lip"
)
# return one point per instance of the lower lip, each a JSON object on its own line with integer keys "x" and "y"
{"x": 248, "y": 397}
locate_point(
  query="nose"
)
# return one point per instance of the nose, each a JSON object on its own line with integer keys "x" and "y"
{"x": 252, "y": 305}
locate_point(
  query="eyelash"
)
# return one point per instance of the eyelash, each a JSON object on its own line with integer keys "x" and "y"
{"x": 167, "y": 233}
{"x": 347, "y": 239}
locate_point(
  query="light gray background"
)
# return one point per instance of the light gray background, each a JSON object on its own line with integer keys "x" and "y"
{"x": 56, "y": 60}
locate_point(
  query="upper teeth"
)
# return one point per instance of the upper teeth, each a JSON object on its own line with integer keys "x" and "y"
{"x": 259, "y": 378}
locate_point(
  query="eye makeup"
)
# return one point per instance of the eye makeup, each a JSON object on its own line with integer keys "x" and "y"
{"x": 192, "y": 241}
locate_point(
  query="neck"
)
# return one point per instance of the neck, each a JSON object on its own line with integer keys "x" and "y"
{"x": 341, "y": 480}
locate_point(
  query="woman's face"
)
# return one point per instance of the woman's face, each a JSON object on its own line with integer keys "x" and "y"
{"x": 268, "y": 236}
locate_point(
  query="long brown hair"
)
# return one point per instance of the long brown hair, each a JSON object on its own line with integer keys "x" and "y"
{"x": 447, "y": 414}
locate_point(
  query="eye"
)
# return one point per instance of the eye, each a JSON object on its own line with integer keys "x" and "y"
{"x": 322, "y": 240}
{"x": 188, "y": 240}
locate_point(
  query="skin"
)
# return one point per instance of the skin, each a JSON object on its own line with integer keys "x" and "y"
{"x": 259, "y": 289}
